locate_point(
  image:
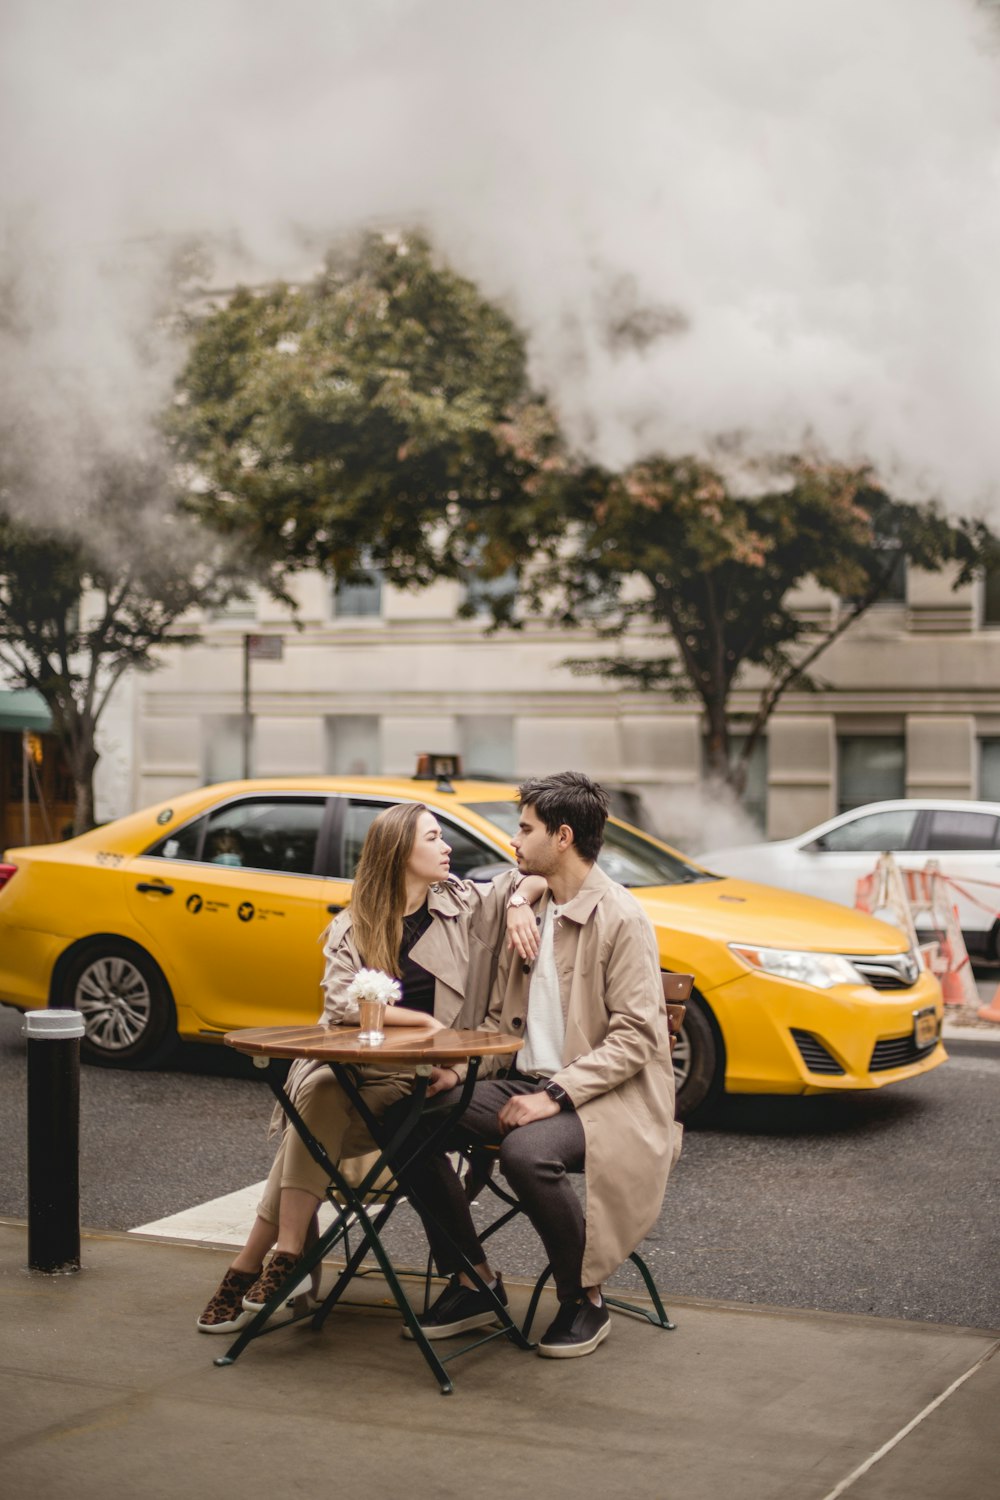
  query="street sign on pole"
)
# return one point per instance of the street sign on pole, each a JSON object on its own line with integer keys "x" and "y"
{"x": 265, "y": 647}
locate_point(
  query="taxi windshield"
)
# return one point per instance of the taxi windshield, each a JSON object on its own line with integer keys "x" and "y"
{"x": 626, "y": 857}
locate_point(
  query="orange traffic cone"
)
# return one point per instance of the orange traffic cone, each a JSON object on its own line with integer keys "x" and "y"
{"x": 991, "y": 1012}
{"x": 953, "y": 988}
{"x": 957, "y": 984}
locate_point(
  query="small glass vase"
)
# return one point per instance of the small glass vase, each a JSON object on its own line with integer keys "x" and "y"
{"x": 371, "y": 1018}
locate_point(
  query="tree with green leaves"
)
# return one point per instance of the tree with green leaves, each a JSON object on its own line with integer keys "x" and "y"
{"x": 80, "y": 606}
{"x": 671, "y": 546}
{"x": 360, "y": 419}
{"x": 382, "y": 414}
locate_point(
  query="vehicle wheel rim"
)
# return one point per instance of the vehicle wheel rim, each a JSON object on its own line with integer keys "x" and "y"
{"x": 682, "y": 1059}
{"x": 114, "y": 1000}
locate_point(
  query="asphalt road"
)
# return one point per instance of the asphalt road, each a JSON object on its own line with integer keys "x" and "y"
{"x": 886, "y": 1203}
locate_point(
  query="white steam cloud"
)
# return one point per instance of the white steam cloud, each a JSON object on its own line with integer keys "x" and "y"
{"x": 750, "y": 217}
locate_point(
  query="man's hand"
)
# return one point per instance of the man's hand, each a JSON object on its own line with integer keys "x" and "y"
{"x": 524, "y": 1108}
{"x": 442, "y": 1079}
{"x": 522, "y": 932}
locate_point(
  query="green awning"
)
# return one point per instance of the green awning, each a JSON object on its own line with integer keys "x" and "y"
{"x": 22, "y": 708}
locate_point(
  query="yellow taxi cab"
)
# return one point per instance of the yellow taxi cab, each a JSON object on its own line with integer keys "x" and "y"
{"x": 203, "y": 914}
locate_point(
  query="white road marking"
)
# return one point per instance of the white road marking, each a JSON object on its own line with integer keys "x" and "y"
{"x": 226, "y": 1220}
{"x": 223, "y": 1221}
{"x": 869, "y": 1463}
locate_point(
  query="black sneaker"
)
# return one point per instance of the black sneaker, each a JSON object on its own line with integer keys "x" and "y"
{"x": 458, "y": 1309}
{"x": 577, "y": 1328}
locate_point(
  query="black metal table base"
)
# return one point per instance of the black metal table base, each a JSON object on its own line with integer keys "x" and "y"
{"x": 399, "y": 1154}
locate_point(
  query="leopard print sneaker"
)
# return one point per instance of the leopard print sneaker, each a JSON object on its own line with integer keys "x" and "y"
{"x": 275, "y": 1273}
{"x": 225, "y": 1313}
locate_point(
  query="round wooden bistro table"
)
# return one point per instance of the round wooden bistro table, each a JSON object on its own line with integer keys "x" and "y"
{"x": 407, "y": 1049}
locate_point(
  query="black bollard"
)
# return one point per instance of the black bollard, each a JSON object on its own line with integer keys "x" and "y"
{"x": 53, "y": 1139}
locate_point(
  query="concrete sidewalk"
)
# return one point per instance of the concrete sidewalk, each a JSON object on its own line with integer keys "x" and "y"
{"x": 109, "y": 1391}
{"x": 971, "y": 1030}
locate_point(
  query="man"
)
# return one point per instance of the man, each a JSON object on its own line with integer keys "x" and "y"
{"x": 592, "y": 1090}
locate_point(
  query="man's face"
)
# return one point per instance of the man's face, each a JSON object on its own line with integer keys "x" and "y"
{"x": 536, "y": 849}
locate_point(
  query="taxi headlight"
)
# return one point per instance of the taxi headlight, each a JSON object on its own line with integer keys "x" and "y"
{"x": 821, "y": 970}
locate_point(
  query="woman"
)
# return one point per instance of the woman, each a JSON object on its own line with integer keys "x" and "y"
{"x": 439, "y": 938}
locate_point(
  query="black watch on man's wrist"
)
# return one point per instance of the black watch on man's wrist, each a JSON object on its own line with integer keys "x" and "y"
{"x": 559, "y": 1095}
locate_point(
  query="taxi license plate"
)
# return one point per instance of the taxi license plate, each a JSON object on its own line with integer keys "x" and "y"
{"x": 925, "y": 1026}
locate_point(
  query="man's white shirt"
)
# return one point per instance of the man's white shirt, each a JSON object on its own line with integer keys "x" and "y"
{"x": 545, "y": 1029}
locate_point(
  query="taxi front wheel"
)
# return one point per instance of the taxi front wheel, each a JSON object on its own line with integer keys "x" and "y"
{"x": 125, "y": 1002}
{"x": 699, "y": 1063}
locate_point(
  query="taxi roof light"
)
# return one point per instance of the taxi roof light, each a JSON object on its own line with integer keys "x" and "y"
{"x": 432, "y": 766}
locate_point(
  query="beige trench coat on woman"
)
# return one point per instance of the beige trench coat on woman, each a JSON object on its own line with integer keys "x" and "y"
{"x": 468, "y": 926}
{"x": 616, "y": 1061}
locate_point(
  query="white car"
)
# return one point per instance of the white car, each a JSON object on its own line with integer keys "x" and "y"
{"x": 964, "y": 838}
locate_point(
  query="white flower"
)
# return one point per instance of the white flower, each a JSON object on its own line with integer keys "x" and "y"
{"x": 372, "y": 984}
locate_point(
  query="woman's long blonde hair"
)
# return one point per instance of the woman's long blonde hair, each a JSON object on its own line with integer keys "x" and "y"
{"x": 378, "y": 899}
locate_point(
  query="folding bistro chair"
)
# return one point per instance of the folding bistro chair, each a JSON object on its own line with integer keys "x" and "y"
{"x": 482, "y": 1159}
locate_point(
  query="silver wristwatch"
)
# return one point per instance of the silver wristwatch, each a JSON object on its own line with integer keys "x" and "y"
{"x": 517, "y": 900}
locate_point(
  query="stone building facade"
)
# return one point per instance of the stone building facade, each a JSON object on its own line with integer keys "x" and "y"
{"x": 908, "y": 705}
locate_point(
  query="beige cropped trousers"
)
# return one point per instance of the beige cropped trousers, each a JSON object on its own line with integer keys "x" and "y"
{"x": 337, "y": 1125}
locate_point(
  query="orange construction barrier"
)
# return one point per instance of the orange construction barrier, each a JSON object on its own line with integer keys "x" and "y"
{"x": 903, "y": 895}
{"x": 991, "y": 1012}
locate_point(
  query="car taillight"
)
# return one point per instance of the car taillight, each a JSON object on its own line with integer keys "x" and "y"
{"x": 6, "y": 871}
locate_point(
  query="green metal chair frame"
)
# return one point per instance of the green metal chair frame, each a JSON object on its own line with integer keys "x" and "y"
{"x": 482, "y": 1158}
{"x": 477, "y": 1179}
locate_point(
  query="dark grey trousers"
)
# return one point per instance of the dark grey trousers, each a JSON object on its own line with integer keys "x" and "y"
{"x": 535, "y": 1160}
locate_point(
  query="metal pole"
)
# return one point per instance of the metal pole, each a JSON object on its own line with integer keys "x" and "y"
{"x": 25, "y": 815}
{"x": 53, "y": 1139}
{"x": 246, "y": 707}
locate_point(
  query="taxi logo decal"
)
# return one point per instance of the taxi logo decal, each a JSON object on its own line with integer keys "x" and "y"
{"x": 194, "y": 903}
{"x": 245, "y": 911}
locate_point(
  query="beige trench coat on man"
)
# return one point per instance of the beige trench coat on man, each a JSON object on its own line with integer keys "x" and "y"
{"x": 468, "y": 924}
{"x": 616, "y": 1061}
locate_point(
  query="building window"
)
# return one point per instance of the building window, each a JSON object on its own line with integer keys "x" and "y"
{"x": 895, "y": 592}
{"x": 989, "y": 769}
{"x": 889, "y": 550}
{"x": 360, "y": 596}
{"x": 487, "y": 745}
{"x": 482, "y": 593}
{"x": 222, "y": 749}
{"x": 991, "y": 597}
{"x": 870, "y": 768}
{"x": 353, "y": 745}
{"x": 236, "y": 609}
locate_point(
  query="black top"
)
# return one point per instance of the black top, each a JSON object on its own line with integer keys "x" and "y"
{"x": 418, "y": 985}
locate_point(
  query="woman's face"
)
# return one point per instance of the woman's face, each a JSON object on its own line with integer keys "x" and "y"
{"x": 430, "y": 857}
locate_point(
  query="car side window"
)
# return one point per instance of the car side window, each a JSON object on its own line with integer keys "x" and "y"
{"x": 258, "y": 833}
{"x": 184, "y": 844}
{"x": 467, "y": 852}
{"x": 358, "y": 818}
{"x": 951, "y": 829}
{"x": 872, "y": 834}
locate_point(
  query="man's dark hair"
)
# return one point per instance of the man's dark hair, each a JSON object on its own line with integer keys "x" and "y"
{"x": 571, "y": 798}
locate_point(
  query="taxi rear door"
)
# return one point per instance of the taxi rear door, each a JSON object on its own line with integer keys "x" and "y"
{"x": 235, "y": 905}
